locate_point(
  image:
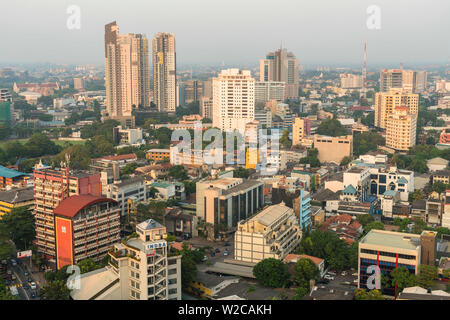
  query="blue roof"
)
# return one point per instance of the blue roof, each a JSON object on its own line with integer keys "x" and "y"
{"x": 390, "y": 193}
{"x": 10, "y": 173}
{"x": 402, "y": 180}
{"x": 349, "y": 190}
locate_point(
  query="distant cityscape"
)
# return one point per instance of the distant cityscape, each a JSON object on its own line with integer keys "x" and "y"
{"x": 270, "y": 181}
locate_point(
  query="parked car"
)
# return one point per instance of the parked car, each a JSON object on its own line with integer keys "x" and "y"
{"x": 13, "y": 277}
{"x": 26, "y": 273}
{"x": 13, "y": 262}
{"x": 227, "y": 244}
{"x": 355, "y": 274}
{"x": 347, "y": 283}
{"x": 225, "y": 252}
{"x": 33, "y": 286}
{"x": 212, "y": 254}
{"x": 205, "y": 258}
{"x": 33, "y": 295}
{"x": 328, "y": 277}
{"x": 217, "y": 250}
{"x": 333, "y": 273}
{"x": 323, "y": 281}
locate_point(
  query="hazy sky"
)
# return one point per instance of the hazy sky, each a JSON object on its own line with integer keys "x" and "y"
{"x": 234, "y": 31}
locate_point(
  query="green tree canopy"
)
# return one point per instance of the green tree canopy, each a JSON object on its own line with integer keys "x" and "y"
{"x": 331, "y": 127}
{"x": 271, "y": 273}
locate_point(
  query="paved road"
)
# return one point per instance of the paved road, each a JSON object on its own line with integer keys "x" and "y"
{"x": 22, "y": 283}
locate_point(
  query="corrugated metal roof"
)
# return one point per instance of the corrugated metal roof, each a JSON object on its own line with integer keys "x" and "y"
{"x": 10, "y": 173}
{"x": 69, "y": 207}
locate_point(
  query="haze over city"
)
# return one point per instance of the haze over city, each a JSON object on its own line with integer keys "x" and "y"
{"x": 212, "y": 32}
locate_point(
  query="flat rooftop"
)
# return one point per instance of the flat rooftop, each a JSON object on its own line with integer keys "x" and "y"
{"x": 401, "y": 240}
{"x": 270, "y": 214}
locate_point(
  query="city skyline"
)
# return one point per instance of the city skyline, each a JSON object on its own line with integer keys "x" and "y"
{"x": 311, "y": 31}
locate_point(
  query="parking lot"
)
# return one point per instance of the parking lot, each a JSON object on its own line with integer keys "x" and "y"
{"x": 342, "y": 282}
{"x": 221, "y": 246}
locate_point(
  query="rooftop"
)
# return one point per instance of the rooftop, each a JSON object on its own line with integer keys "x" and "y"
{"x": 392, "y": 239}
{"x": 17, "y": 195}
{"x": 270, "y": 214}
{"x": 69, "y": 207}
{"x": 10, "y": 173}
{"x": 150, "y": 224}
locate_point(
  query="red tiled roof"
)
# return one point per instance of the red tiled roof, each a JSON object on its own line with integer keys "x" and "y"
{"x": 69, "y": 207}
{"x": 295, "y": 257}
{"x": 179, "y": 246}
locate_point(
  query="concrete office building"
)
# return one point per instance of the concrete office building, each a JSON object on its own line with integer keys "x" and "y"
{"x": 164, "y": 72}
{"x": 386, "y": 102}
{"x": 401, "y": 129}
{"x": 272, "y": 233}
{"x": 388, "y": 250}
{"x": 351, "y": 81}
{"x": 86, "y": 228}
{"x": 333, "y": 149}
{"x": 228, "y": 200}
{"x": 206, "y": 107}
{"x": 269, "y": 90}
{"x": 134, "y": 189}
{"x": 233, "y": 100}
{"x": 193, "y": 91}
{"x": 281, "y": 66}
{"x": 409, "y": 80}
{"x": 127, "y": 72}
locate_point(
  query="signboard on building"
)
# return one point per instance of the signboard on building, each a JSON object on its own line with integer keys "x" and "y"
{"x": 150, "y": 247}
{"x": 24, "y": 254}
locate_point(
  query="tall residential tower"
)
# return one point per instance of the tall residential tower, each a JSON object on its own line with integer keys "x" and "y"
{"x": 127, "y": 72}
{"x": 164, "y": 72}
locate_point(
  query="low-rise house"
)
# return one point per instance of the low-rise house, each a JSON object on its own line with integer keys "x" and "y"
{"x": 343, "y": 226}
{"x": 209, "y": 285}
{"x": 319, "y": 262}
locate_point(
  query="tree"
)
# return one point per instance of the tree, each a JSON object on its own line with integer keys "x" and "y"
{"x": 365, "y": 219}
{"x": 56, "y": 290}
{"x": 79, "y": 157}
{"x": 19, "y": 226}
{"x": 5, "y": 293}
{"x": 345, "y": 160}
{"x": 377, "y": 225}
{"x": 427, "y": 276}
{"x": 39, "y": 145}
{"x": 6, "y": 248}
{"x": 331, "y": 127}
{"x": 178, "y": 172}
{"x": 367, "y": 141}
{"x": 271, "y": 273}
{"x": 361, "y": 294}
{"x": 311, "y": 158}
{"x": 88, "y": 265}
{"x": 241, "y": 172}
{"x": 402, "y": 277}
{"x": 300, "y": 293}
{"x": 285, "y": 141}
{"x": 418, "y": 165}
{"x": 304, "y": 271}
{"x": 188, "y": 270}
{"x": 439, "y": 187}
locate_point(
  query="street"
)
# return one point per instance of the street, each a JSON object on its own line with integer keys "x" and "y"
{"x": 23, "y": 276}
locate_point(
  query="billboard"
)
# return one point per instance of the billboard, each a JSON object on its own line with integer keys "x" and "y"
{"x": 64, "y": 254}
{"x": 24, "y": 254}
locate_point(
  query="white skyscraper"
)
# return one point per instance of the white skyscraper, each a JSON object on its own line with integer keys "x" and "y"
{"x": 233, "y": 99}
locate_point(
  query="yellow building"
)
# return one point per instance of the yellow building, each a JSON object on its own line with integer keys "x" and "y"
{"x": 386, "y": 102}
{"x": 158, "y": 154}
{"x": 272, "y": 233}
{"x": 16, "y": 198}
{"x": 333, "y": 149}
{"x": 401, "y": 129}
{"x": 300, "y": 129}
{"x": 251, "y": 158}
